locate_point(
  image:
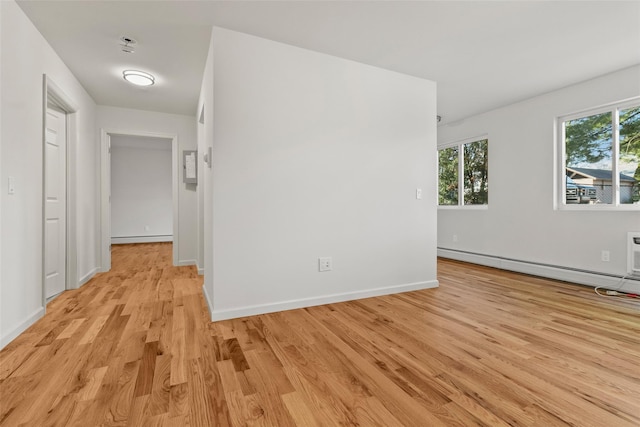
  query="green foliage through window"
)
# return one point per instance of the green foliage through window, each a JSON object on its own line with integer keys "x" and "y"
{"x": 448, "y": 176}
{"x": 629, "y": 151}
{"x": 474, "y": 158}
{"x": 476, "y": 173}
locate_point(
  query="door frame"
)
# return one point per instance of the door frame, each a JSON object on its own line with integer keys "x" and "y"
{"x": 105, "y": 190}
{"x": 54, "y": 95}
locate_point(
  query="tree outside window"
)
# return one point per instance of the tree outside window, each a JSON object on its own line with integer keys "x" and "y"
{"x": 476, "y": 173}
{"x": 448, "y": 176}
{"x": 464, "y": 166}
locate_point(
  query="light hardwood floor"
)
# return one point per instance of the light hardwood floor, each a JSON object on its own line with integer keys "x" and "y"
{"x": 134, "y": 347}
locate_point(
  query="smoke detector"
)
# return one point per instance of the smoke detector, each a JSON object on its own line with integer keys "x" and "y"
{"x": 128, "y": 44}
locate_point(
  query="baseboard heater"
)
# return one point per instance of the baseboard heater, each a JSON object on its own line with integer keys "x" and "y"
{"x": 568, "y": 274}
{"x": 141, "y": 239}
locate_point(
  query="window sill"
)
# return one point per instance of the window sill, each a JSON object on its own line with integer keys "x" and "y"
{"x": 599, "y": 208}
{"x": 464, "y": 207}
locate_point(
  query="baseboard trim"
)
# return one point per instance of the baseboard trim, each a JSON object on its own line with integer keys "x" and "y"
{"x": 208, "y": 301}
{"x": 33, "y": 318}
{"x": 184, "y": 262}
{"x": 141, "y": 239}
{"x": 200, "y": 269}
{"x": 88, "y": 276}
{"x": 581, "y": 277}
{"x": 309, "y": 302}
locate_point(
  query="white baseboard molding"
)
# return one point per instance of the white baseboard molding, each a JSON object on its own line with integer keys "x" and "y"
{"x": 208, "y": 301}
{"x": 13, "y": 334}
{"x": 141, "y": 239}
{"x": 581, "y": 277}
{"x": 200, "y": 269}
{"x": 184, "y": 262}
{"x": 84, "y": 279}
{"x": 233, "y": 313}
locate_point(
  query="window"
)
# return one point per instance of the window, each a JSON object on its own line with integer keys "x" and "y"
{"x": 601, "y": 156}
{"x": 463, "y": 173}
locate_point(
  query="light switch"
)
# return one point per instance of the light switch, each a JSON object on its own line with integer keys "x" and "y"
{"x": 418, "y": 193}
{"x": 12, "y": 185}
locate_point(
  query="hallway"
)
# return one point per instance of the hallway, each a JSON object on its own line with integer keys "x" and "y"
{"x": 114, "y": 351}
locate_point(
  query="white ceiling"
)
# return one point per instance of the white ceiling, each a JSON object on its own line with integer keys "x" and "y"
{"x": 482, "y": 54}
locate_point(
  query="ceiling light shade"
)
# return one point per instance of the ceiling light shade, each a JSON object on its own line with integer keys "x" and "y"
{"x": 139, "y": 78}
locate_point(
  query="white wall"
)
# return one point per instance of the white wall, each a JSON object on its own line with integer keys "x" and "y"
{"x": 205, "y": 175}
{"x": 3, "y": 338}
{"x": 141, "y": 190}
{"x": 26, "y": 56}
{"x": 316, "y": 156}
{"x": 521, "y": 222}
{"x": 127, "y": 121}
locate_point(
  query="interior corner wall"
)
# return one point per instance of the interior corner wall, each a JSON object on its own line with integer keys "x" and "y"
{"x": 317, "y": 156}
{"x": 521, "y": 222}
{"x": 200, "y": 194}
{"x": 130, "y": 121}
{"x": 26, "y": 56}
{"x": 203, "y": 124}
{"x": 201, "y": 150}
{"x": 205, "y": 203}
{"x": 2, "y": 341}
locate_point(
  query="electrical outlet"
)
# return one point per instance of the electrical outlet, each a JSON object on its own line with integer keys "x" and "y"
{"x": 605, "y": 256}
{"x": 325, "y": 264}
{"x": 418, "y": 193}
{"x": 147, "y": 228}
{"x": 455, "y": 238}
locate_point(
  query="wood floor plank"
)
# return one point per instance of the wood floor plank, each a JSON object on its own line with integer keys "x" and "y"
{"x": 299, "y": 410}
{"x": 89, "y": 391}
{"x": 134, "y": 346}
{"x": 178, "y": 400}
{"x": 161, "y": 388}
{"x": 94, "y": 330}
{"x": 147, "y": 370}
{"x": 200, "y": 406}
{"x": 178, "y": 359}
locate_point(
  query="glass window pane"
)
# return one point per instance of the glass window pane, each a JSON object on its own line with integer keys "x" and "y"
{"x": 476, "y": 173}
{"x": 629, "y": 161}
{"x": 588, "y": 147}
{"x": 448, "y": 176}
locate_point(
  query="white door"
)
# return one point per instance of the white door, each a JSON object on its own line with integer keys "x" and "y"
{"x": 55, "y": 167}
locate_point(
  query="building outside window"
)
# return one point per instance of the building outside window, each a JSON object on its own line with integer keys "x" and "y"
{"x": 601, "y": 156}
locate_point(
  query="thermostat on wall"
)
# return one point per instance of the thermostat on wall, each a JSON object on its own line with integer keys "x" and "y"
{"x": 190, "y": 166}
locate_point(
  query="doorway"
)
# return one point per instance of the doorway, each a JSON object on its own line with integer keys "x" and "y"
{"x": 141, "y": 198}
{"x": 108, "y": 136}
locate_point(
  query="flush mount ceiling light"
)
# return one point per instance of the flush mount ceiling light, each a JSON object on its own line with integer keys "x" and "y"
{"x": 139, "y": 78}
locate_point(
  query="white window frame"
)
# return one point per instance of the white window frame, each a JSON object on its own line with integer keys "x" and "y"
{"x": 460, "y": 143}
{"x": 561, "y": 182}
